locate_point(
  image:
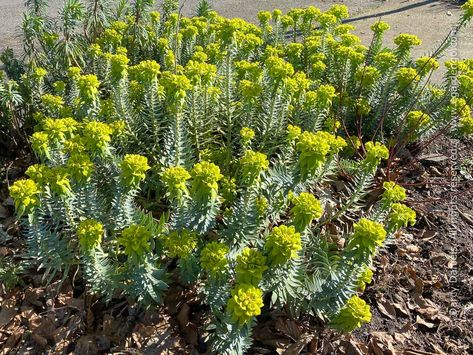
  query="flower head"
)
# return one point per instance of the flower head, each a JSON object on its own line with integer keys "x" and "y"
{"x": 314, "y": 147}
{"x": 38, "y": 173}
{"x": 306, "y": 209}
{"x": 245, "y": 303}
{"x": 425, "y": 65}
{"x": 97, "y": 136}
{"x": 367, "y": 75}
{"x": 88, "y": 87}
{"x": 25, "y": 194}
{"x": 365, "y": 277}
{"x": 380, "y": 27}
{"x": 467, "y": 8}
{"x": 180, "y": 244}
{"x": 352, "y": 315}
{"x": 385, "y": 60}
{"x": 278, "y": 69}
{"x": 213, "y": 257}
{"x": 146, "y": 71}
{"x": 401, "y": 216}
{"x": 252, "y": 164}
{"x": 206, "y": 176}
{"x": 247, "y": 134}
{"x": 90, "y": 233}
{"x": 375, "y": 152}
{"x": 293, "y": 132}
{"x": 417, "y": 119}
{"x": 368, "y": 235}
{"x": 322, "y": 97}
{"x": 393, "y": 192}
{"x": 80, "y": 167}
{"x": 282, "y": 244}
{"x": 175, "y": 178}
{"x": 406, "y": 41}
{"x": 133, "y": 169}
{"x": 135, "y": 239}
{"x": 40, "y": 143}
{"x": 59, "y": 129}
{"x": 250, "y": 265}
{"x": 406, "y": 76}
{"x": 118, "y": 65}
{"x": 58, "y": 179}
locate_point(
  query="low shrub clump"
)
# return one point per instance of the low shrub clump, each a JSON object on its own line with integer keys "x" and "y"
{"x": 226, "y": 151}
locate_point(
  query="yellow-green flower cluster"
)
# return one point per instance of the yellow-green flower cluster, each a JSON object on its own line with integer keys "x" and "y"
{"x": 467, "y": 8}
{"x": 80, "y": 167}
{"x": 38, "y": 173}
{"x": 380, "y": 27}
{"x": 368, "y": 235}
{"x": 250, "y": 90}
{"x": 248, "y": 70}
{"x": 180, "y": 244}
{"x": 59, "y": 129}
{"x": 247, "y": 135}
{"x": 89, "y": 234}
{"x": 25, "y": 193}
{"x": 88, "y": 87}
{"x": 261, "y": 205}
{"x": 406, "y": 41}
{"x": 352, "y": 315}
{"x": 314, "y": 148}
{"x": 282, "y": 244}
{"x": 133, "y": 170}
{"x": 401, "y": 216}
{"x": 385, "y": 60}
{"x": 245, "y": 303}
{"x": 175, "y": 86}
{"x": 306, "y": 209}
{"x": 278, "y": 69}
{"x": 40, "y": 143}
{"x": 250, "y": 266}
{"x": 393, "y": 192}
{"x": 135, "y": 239}
{"x": 206, "y": 176}
{"x": 252, "y": 164}
{"x": 426, "y": 64}
{"x": 322, "y": 97}
{"x": 58, "y": 180}
{"x": 174, "y": 179}
{"x": 293, "y": 132}
{"x": 375, "y": 152}
{"x": 146, "y": 71}
{"x": 118, "y": 65}
{"x": 367, "y": 75}
{"x": 213, "y": 258}
{"x": 52, "y": 103}
{"x": 200, "y": 73}
{"x": 96, "y": 136}
{"x": 365, "y": 278}
{"x": 417, "y": 119}
{"x": 405, "y": 77}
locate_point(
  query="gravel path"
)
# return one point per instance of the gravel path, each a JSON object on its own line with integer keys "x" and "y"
{"x": 429, "y": 19}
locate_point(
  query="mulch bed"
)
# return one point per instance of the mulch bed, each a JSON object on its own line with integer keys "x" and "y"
{"x": 421, "y": 297}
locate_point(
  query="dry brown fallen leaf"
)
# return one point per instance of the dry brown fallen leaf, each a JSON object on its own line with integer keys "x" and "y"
{"x": 420, "y": 320}
{"x": 386, "y": 308}
{"x": 8, "y": 311}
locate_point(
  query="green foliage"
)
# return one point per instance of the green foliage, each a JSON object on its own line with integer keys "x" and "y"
{"x": 240, "y": 139}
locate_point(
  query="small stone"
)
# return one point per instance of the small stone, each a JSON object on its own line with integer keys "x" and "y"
{"x": 449, "y": 13}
